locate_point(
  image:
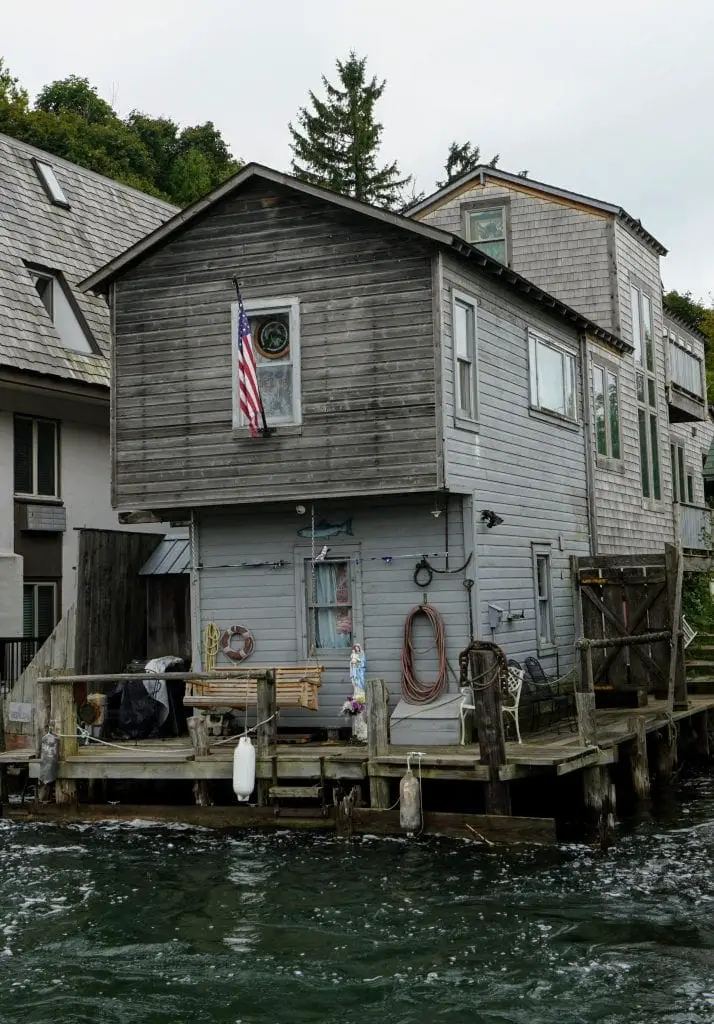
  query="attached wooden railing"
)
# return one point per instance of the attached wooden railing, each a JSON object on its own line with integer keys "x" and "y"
{"x": 695, "y": 523}
{"x": 685, "y": 370}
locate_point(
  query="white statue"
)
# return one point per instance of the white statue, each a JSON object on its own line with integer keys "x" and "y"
{"x": 358, "y": 664}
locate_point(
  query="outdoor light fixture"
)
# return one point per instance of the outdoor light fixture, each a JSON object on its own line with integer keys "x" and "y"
{"x": 489, "y": 517}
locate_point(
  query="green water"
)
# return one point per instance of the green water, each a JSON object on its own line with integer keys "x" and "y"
{"x": 134, "y": 923}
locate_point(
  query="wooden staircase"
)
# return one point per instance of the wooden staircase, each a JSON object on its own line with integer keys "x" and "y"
{"x": 699, "y": 661}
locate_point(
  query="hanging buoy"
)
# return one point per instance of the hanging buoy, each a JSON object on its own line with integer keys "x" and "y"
{"x": 49, "y": 758}
{"x": 244, "y": 769}
{"x": 410, "y": 802}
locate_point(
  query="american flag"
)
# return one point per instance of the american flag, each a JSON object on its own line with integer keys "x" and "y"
{"x": 249, "y": 400}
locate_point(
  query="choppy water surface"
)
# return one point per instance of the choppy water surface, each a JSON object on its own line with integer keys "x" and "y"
{"x": 134, "y": 923}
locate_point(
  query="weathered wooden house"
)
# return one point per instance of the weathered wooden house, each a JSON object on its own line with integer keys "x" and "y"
{"x": 59, "y": 222}
{"x": 425, "y": 402}
{"x": 602, "y": 261}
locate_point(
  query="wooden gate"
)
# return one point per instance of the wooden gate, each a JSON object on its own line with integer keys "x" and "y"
{"x": 623, "y": 596}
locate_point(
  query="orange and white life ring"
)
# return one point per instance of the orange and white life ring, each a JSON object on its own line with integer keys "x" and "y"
{"x": 237, "y": 653}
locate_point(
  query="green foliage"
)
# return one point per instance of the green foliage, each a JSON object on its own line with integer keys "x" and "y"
{"x": 335, "y": 143}
{"x": 71, "y": 120}
{"x": 701, "y": 318}
{"x": 697, "y": 602}
{"x": 461, "y": 159}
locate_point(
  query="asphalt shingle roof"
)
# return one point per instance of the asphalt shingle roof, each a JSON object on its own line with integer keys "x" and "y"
{"x": 104, "y": 219}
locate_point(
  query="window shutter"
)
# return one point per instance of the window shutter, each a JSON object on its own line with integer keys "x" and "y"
{"x": 28, "y": 610}
{"x": 46, "y": 448}
{"x": 45, "y": 609}
{"x": 23, "y": 456}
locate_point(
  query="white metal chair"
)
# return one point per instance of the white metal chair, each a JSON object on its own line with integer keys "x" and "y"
{"x": 513, "y": 690}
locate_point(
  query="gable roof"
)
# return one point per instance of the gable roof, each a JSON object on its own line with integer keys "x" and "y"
{"x": 103, "y": 218}
{"x": 102, "y": 278}
{"x": 528, "y": 184}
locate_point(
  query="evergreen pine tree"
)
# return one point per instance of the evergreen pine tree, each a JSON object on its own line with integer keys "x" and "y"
{"x": 461, "y": 159}
{"x": 335, "y": 143}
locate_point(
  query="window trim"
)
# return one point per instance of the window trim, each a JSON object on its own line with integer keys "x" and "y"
{"x": 543, "y": 550}
{"x": 255, "y": 307}
{"x": 608, "y": 460}
{"x": 332, "y": 656}
{"x": 483, "y": 205}
{"x": 461, "y": 419}
{"x": 34, "y": 494}
{"x": 55, "y": 603}
{"x": 535, "y": 337}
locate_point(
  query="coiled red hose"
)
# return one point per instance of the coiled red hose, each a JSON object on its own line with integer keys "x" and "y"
{"x": 413, "y": 690}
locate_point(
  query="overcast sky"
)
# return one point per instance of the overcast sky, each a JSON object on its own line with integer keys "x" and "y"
{"x": 612, "y": 99}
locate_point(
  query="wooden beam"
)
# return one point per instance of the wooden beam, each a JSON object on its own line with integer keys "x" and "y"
{"x": 267, "y": 731}
{"x": 228, "y": 675}
{"x": 488, "y": 718}
{"x": 585, "y": 697}
{"x": 377, "y": 739}
{"x": 677, "y": 680}
{"x": 198, "y": 731}
{"x": 637, "y": 757}
{"x": 64, "y": 719}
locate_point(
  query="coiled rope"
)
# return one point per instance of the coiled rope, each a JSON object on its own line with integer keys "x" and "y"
{"x": 413, "y": 690}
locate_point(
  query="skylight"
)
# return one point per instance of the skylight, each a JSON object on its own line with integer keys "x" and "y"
{"x": 63, "y": 310}
{"x": 48, "y": 178}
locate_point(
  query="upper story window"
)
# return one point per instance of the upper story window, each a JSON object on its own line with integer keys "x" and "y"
{"x": 48, "y": 179}
{"x": 275, "y": 332}
{"x": 606, "y": 402}
{"x": 486, "y": 229}
{"x": 62, "y": 310}
{"x": 465, "y": 357}
{"x": 646, "y": 382}
{"x": 36, "y": 457}
{"x": 552, "y": 377}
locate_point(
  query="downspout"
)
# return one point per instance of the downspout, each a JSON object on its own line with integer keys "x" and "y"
{"x": 587, "y": 440}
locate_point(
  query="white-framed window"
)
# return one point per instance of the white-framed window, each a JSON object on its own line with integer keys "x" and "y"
{"x": 606, "y": 405}
{"x": 543, "y": 594}
{"x": 552, "y": 377}
{"x": 646, "y": 382}
{"x": 50, "y": 183}
{"x": 62, "y": 310}
{"x": 39, "y": 609}
{"x": 487, "y": 229}
{"x": 329, "y": 602}
{"x": 275, "y": 331}
{"x": 465, "y": 356}
{"x": 36, "y": 457}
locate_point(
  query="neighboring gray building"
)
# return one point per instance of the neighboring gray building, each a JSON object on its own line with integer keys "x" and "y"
{"x": 599, "y": 259}
{"x": 418, "y": 391}
{"x": 58, "y": 222}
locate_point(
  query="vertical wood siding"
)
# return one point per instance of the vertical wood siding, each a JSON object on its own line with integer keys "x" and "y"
{"x": 529, "y": 469}
{"x": 269, "y": 602}
{"x": 368, "y": 392}
{"x": 560, "y": 247}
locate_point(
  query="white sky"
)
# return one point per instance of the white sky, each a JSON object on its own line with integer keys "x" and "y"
{"x": 613, "y": 99}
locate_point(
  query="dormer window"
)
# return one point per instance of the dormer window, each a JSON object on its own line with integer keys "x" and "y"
{"x": 62, "y": 310}
{"x": 486, "y": 229}
{"x": 49, "y": 182}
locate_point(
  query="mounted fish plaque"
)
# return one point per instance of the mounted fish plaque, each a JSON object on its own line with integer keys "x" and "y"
{"x": 323, "y": 530}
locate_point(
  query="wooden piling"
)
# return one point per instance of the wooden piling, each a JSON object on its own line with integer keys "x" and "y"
{"x": 599, "y": 801}
{"x": 666, "y": 746}
{"x": 700, "y": 735}
{"x": 677, "y": 681}
{"x": 377, "y": 740}
{"x": 63, "y": 714}
{"x": 198, "y": 731}
{"x": 267, "y": 731}
{"x": 637, "y": 757}
{"x": 585, "y": 697}
{"x": 488, "y": 719}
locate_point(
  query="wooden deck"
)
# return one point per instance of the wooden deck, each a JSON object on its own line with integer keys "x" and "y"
{"x": 547, "y": 752}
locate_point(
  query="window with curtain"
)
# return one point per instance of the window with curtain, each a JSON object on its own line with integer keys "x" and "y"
{"x": 329, "y": 604}
{"x": 545, "y": 620}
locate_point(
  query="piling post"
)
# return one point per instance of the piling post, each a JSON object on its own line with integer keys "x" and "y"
{"x": 488, "y": 718}
{"x": 599, "y": 800}
{"x": 585, "y": 697}
{"x": 267, "y": 731}
{"x": 198, "y": 731}
{"x": 677, "y": 681}
{"x": 377, "y": 740}
{"x": 637, "y": 757}
{"x": 700, "y": 735}
{"x": 666, "y": 759}
{"x": 64, "y": 718}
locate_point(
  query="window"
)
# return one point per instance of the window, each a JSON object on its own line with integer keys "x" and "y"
{"x": 275, "y": 330}
{"x": 329, "y": 604}
{"x": 39, "y": 609}
{"x": 36, "y": 457}
{"x": 62, "y": 310}
{"x": 465, "y": 356}
{"x": 679, "y": 480}
{"x": 643, "y": 342}
{"x": 48, "y": 179}
{"x": 552, "y": 373}
{"x": 545, "y": 628}
{"x": 690, "y": 488}
{"x": 486, "y": 229}
{"x": 606, "y": 398}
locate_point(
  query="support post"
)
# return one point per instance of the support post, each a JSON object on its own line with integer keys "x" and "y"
{"x": 599, "y": 800}
{"x": 64, "y": 718}
{"x": 585, "y": 697}
{"x": 198, "y": 731}
{"x": 377, "y": 740}
{"x": 700, "y": 735}
{"x": 488, "y": 719}
{"x": 267, "y": 731}
{"x": 677, "y": 682}
{"x": 638, "y": 762}
{"x": 666, "y": 752}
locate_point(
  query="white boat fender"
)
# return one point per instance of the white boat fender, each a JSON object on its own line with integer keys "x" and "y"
{"x": 244, "y": 769}
{"x": 410, "y": 803}
{"x": 49, "y": 758}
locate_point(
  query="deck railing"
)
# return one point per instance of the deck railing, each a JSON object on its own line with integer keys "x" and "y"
{"x": 685, "y": 370}
{"x": 695, "y": 523}
{"x": 16, "y": 653}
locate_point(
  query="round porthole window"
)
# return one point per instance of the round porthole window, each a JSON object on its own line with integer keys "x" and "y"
{"x": 273, "y": 339}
